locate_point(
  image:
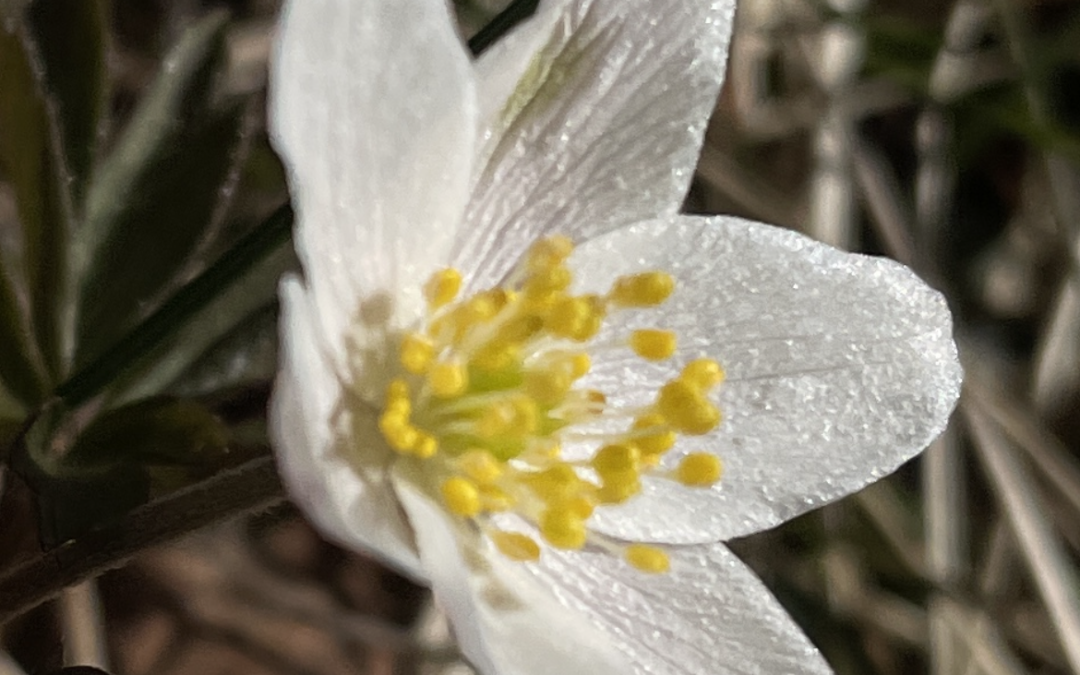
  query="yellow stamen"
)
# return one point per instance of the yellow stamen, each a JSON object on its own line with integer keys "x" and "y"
{"x": 442, "y": 287}
{"x": 515, "y": 545}
{"x": 699, "y": 469}
{"x": 461, "y": 496}
{"x": 563, "y": 528}
{"x": 417, "y": 353}
{"x": 686, "y": 409}
{"x": 703, "y": 373}
{"x": 492, "y": 384}
{"x": 654, "y": 345}
{"x": 647, "y": 558}
{"x": 447, "y": 379}
{"x": 647, "y": 289}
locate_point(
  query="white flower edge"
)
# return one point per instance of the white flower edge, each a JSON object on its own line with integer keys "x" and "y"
{"x": 587, "y": 612}
{"x": 592, "y": 115}
{"x": 320, "y": 470}
{"x": 373, "y": 110}
{"x": 840, "y": 367}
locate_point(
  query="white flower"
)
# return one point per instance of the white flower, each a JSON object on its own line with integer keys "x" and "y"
{"x": 408, "y": 163}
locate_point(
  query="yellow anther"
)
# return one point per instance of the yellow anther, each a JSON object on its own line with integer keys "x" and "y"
{"x": 465, "y": 316}
{"x": 397, "y": 431}
{"x": 556, "y": 484}
{"x": 547, "y": 386}
{"x": 703, "y": 373}
{"x": 493, "y": 498}
{"x": 653, "y": 437}
{"x": 581, "y": 506}
{"x": 442, "y": 287}
{"x": 496, "y": 356}
{"x": 647, "y": 558}
{"x": 617, "y": 487}
{"x": 699, "y": 469}
{"x": 686, "y": 409}
{"x": 425, "y": 446}
{"x": 548, "y": 252}
{"x": 544, "y": 282}
{"x": 416, "y": 353}
{"x": 562, "y": 528}
{"x": 397, "y": 390}
{"x": 580, "y": 363}
{"x": 515, "y": 545}
{"x": 461, "y": 497}
{"x": 616, "y": 458}
{"x": 567, "y": 315}
{"x": 651, "y": 344}
{"x": 480, "y": 465}
{"x": 447, "y": 379}
{"x": 642, "y": 290}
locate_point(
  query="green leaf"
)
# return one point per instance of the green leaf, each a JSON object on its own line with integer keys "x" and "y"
{"x": 156, "y": 194}
{"x": 222, "y": 339}
{"x": 26, "y": 161}
{"x": 70, "y": 39}
{"x": 245, "y": 258}
{"x": 245, "y": 354}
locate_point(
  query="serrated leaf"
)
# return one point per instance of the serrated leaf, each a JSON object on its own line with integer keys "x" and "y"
{"x": 70, "y": 38}
{"x": 28, "y": 165}
{"x": 154, "y": 196}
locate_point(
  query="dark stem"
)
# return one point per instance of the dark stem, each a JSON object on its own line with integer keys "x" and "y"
{"x": 518, "y": 11}
{"x": 250, "y": 487}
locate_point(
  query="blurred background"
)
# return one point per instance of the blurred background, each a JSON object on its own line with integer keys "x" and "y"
{"x": 943, "y": 133}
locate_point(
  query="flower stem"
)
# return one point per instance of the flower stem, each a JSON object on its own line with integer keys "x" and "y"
{"x": 504, "y": 21}
{"x": 249, "y": 487}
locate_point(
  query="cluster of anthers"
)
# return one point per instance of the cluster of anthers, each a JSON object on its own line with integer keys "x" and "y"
{"x": 488, "y": 395}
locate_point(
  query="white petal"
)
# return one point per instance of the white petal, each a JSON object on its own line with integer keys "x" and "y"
{"x": 840, "y": 367}
{"x": 505, "y": 623}
{"x": 373, "y": 109}
{"x": 603, "y": 128}
{"x": 356, "y": 510}
{"x": 710, "y": 615}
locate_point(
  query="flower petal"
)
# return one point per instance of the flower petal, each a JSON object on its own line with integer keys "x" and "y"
{"x": 358, "y": 510}
{"x": 710, "y": 615}
{"x": 840, "y": 367}
{"x": 602, "y": 128}
{"x": 505, "y": 623}
{"x": 373, "y": 109}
